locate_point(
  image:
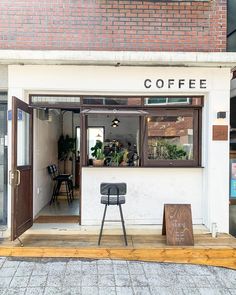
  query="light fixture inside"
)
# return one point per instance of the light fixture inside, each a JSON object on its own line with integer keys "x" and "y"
{"x": 114, "y": 125}
{"x": 116, "y": 121}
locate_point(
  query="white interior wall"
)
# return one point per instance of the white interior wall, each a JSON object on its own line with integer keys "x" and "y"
{"x": 126, "y": 131}
{"x": 46, "y": 135}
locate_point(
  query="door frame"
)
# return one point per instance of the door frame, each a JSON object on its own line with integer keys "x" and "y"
{"x": 13, "y": 175}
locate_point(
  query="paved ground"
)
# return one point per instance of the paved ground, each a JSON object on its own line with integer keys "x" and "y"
{"x": 108, "y": 277}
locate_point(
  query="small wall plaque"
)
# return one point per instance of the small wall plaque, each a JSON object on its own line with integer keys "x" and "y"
{"x": 177, "y": 225}
{"x": 220, "y": 132}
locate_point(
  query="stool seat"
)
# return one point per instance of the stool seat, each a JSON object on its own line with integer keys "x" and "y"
{"x": 113, "y": 200}
{"x": 63, "y": 177}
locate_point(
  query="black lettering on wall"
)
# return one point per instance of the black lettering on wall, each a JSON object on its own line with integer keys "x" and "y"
{"x": 171, "y": 82}
{"x": 203, "y": 83}
{"x": 181, "y": 82}
{"x": 192, "y": 83}
{"x": 159, "y": 83}
{"x": 147, "y": 83}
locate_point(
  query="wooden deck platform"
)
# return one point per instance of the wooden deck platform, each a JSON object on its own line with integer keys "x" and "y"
{"x": 220, "y": 251}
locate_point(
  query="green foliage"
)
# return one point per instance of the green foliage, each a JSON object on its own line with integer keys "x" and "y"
{"x": 117, "y": 157}
{"x": 66, "y": 147}
{"x": 165, "y": 150}
{"x": 98, "y": 150}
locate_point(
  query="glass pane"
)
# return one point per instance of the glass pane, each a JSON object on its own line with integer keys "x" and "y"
{"x": 3, "y": 97}
{"x": 120, "y": 101}
{"x": 232, "y": 42}
{"x": 170, "y": 137}
{"x": 120, "y": 141}
{"x": 175, "y": 100}
{"x": 54, "y": 100}
{"x": 23, "y": 147}
{"x": 94, "y": 134}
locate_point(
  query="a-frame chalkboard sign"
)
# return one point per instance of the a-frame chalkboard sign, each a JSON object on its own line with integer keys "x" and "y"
{"x": 177, "y": 225}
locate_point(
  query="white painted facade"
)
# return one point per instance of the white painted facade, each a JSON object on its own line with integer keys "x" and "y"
{"x": 205, "y": 188}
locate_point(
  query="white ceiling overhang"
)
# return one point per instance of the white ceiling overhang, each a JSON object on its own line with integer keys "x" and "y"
{"x": 118, "y": 58}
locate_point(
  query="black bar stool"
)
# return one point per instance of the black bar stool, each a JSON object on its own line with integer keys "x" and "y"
{"x": 113, "y": 194}
{"x": 59, "y": 179}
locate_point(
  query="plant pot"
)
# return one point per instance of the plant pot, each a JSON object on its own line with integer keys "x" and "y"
{"x": 68, "y": 166}
{"x": 98, "y": 163}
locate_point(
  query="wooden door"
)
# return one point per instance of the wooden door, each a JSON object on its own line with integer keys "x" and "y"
{"x": 21, "y": 175}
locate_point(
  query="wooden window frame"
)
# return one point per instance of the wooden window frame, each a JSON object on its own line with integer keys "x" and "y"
{"x": 152, "y": 109}
{"x": 196, "y": 162}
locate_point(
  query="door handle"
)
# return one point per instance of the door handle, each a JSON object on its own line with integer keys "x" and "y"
{"x": 12, "y": 177}
{"x": 18, "y": 177}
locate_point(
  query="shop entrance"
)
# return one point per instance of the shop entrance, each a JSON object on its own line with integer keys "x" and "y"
{"x": 56, "y": 147}
{"x": 43, "y": 136}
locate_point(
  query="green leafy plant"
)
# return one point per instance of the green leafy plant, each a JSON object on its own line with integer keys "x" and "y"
{"x": 165, "y": 150}
{"x": 98, "y": 150}
{"x": 66, "y": 147}
{"x": 117, "y": 157}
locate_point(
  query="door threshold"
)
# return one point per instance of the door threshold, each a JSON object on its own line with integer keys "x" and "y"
{"x": 57, "y": 219}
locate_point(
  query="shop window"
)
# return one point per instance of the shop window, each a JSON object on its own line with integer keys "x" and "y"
{"x": 163, "y": 131}
{"x": 117, "y": 144}
{"x": 172, "y": 138}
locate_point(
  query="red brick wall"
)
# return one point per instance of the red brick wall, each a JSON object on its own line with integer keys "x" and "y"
{"x": 113, "y": 25}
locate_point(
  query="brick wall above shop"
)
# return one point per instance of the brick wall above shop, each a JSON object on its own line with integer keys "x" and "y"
{"x": 113, "y": 25}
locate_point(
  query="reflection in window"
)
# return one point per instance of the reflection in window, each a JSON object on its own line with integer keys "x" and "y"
{"x": 173, "y": 100}
{"x": 170, "y": 137}
{"x": 23, "y": 147}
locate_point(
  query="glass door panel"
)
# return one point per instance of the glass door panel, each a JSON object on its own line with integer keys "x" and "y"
{"x": 23, "y": 146}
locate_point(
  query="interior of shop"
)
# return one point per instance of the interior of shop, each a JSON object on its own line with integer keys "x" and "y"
{"x": 57, "y": 142}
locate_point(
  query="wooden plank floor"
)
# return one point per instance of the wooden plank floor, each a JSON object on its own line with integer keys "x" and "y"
{"x": 220, "y": 251}
{"x": 57, "y": 219}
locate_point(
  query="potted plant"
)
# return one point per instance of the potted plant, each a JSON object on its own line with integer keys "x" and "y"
{"x": 98, "y": 153}
{"x": 117, "y": 158}
{"x": 66, "y": 150}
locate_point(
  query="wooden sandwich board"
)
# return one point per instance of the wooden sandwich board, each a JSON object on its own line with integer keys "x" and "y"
{"x": 177, "y": 225}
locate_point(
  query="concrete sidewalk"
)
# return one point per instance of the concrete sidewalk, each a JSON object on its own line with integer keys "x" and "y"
{"x": 107, "y": 277}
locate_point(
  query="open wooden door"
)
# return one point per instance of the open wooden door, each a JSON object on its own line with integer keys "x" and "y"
{"x": 21, "y": 175}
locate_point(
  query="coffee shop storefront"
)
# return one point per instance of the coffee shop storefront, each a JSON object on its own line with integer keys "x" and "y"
{"x": 169, "y": 116}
